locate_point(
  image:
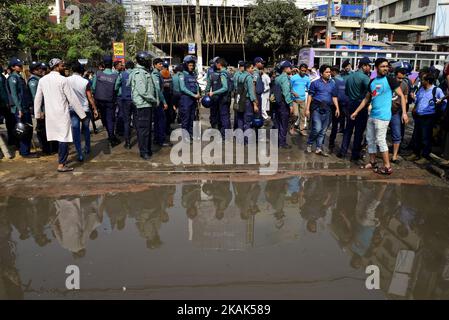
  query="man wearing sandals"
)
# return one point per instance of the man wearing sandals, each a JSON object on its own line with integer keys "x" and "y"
{"x": 380, "y": 95}
{"x": 58, "y": 95}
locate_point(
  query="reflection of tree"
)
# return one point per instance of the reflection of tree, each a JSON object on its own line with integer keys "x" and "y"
{"x": 10, "y": 283}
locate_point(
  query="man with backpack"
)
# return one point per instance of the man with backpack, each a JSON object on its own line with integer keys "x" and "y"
{"x": 245, "y": 104}
{"x": 429, "y": 105}
{"x": 105, "y": 86}
{"x": 218, "y": 89}
{"x": 284, "y": 103}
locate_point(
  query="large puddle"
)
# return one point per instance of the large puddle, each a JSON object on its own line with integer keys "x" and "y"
{"x": 281, "y": 239}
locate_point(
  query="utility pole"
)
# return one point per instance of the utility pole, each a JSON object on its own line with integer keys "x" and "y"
{"x": 329, "y": 24}
{"x": 362, "y": 25}
{"x": 199, "y": 52}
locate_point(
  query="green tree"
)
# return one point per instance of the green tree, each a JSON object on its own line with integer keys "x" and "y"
{"x": 135, "y": 42}
{"x": 106, "y": 22}
{"x": 276, "y": 24}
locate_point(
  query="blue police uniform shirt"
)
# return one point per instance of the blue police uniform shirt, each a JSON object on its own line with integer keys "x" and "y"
{"x": 300, "y": 85}
{"x": 323, "y": 92}
{"x": 381, "y": 89}
{"x": 424, "y": 101}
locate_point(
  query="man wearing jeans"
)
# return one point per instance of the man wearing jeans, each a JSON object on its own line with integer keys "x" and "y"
{"x": 81, "y": 88}
{"x": 380, "y": 94}
{"x": 58, "y": 95}
{"x": 356, "y": 87}
{"x": 396, "y": 110}
{"x": 322, "y": 95}
{"x": 428, "y": 99}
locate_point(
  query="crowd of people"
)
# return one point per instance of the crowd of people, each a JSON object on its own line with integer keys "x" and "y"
{"x": 149, "y": 96}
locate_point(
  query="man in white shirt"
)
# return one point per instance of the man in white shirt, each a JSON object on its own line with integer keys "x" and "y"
{"x": 81, "y": 88}
{"x": 58, "y": 95}
{"x": 266, "y": 95}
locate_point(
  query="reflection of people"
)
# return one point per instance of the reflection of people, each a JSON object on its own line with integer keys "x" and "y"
{"x": 10, "y": 283}
{"x": 275, "y": 192}
{"x": 191, "y": 195}
{"x": 246, "y": 195}
{"x": 222, "y": 196}
{"x": 317, "y": 199}
{"x": 76, "y": 223}
{"x": 368, "y": 200}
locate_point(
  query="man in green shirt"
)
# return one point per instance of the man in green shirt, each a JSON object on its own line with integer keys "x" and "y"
{"x": 159, "y": 114}
{"x": 357, "y": 85}
{"x": 284, "y": 103}
{"x": 145, "y": 96}
{"x": 244, "y": 118}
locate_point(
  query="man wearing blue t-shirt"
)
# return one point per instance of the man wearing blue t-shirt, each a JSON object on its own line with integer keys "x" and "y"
{"x": 300, "y": 85}
{"x": 380, "y": 95}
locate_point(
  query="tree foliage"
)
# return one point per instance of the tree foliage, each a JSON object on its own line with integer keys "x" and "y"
{"x": 135, "y": 42}
{"x": 277, "y": 25}
{"x": 26, "y": 29}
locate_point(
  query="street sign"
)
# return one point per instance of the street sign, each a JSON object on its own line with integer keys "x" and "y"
{"x": 192, "y": 48}
{"x": 119, "y": 50}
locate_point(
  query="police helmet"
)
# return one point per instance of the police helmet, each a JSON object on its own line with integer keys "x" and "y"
{"x": 285, "y": 64}
{"x": 35, "y": 65}
{"x": 165, "y": 64}
{"x": 257, "y": 122}
{"x": 15, "y": 62}
{"x": 189, "y": 59}
{"x": 23, "y": 130}
{"x": 206, "y": 101}
{"x": 144, "y": 59}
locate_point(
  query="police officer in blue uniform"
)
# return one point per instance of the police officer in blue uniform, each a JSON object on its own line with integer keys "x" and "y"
{"x": 105, "y": 86}
{"x": 21, "y": 105}
{"x": 218, "y": 83}
{"x": 38, "y": 70}
{"x": 160, "y": 120}
{"x": 127, "y": 104}
{"x": 190, "y": 94}
{"x": 5, "y": 110}
{"x": 284, "y": 102}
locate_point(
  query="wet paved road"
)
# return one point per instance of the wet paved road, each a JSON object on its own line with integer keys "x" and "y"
{"x": 295, "y": 237}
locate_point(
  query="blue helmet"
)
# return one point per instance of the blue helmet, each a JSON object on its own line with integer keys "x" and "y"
{"x": 257, "y": 122}
{"x": 206, "y": 102}
{"x": 188, "y": 59}
{"x": 403, "y": 65}
{"x": 285, "y": 64}
{"x": 35, "y": 65}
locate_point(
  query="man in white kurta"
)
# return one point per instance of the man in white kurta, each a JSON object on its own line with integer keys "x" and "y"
{"x": 58, "y": 95}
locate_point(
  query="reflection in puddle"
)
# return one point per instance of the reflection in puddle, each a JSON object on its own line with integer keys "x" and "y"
{"x": 288, "y": 238}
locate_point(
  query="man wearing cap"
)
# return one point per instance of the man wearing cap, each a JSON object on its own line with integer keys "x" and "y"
{"x": 58, "y": 95}
{"x": 105, "y": 86}
{"x": 38, "y": 70}
{"x": 119, "y": 67}
{"x": 21, "y": 104}
{"x": 5, "y": 109}
{"x": 126, "y": 102}
{"x": 241, "y": 68}
{"x": 160, "y": 121}
{"x": 356, "y": 87}
{"x": 217, "y": 89}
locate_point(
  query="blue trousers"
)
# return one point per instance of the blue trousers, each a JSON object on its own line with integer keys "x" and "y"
{"x": 320, "y": 123}
{"x": 160, "y": 123}
{"x": 224, "y": 116}
{"x": 129, "y": 114}
{"x": 77, "y": 124}
{"x": 107, "y": 111}
{"x": 396, "y": 127}
{"x": 187, "y": 108}
{"x": 282, "y": 114}
{"x": 25, "y": 142}
{"x": 357, "y": 126}
{"x": 143, "y": 117}
{"x": 214, "y": 116}
{"x": 63, "y": 152}
{"x": 423, "y": 140}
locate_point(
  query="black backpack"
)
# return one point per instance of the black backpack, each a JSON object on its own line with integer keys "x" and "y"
{"x": 240, "y": 96}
